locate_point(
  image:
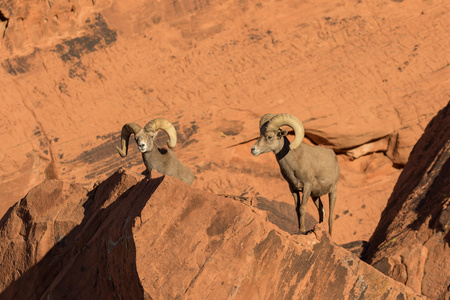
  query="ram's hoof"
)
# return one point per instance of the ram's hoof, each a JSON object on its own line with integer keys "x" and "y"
{"x": 304, "y": 232}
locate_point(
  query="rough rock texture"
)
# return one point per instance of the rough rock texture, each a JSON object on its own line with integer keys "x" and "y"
{"x": 356, "y": 72}
{"x": 161, "y": 239}
{"x": 412, "y": 241}
{"x": 35, "y": 225}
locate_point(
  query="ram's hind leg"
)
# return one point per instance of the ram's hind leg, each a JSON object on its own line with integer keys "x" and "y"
{"x": 332, "y": 197}
{"x": 319, "y": 206}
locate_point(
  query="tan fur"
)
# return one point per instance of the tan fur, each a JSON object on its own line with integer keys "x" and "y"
{"x": 312, "y": 170}
{"x": 162, "y": 160}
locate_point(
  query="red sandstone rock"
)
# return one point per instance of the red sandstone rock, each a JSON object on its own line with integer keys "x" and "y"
{"x": 412, "y": 241}
{"x": 161, "y": 239}
{"x": 72, "y": 73}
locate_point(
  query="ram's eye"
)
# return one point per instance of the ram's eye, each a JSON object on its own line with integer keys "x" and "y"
{"x": 269, "y": 137}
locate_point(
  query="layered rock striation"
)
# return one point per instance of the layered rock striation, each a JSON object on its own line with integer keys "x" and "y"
{"x": 73, "y": 72}
{"x": 412, "y": 240}
{"x": 161, "y": 239}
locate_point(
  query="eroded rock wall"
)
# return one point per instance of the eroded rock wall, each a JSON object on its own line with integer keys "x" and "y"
{"x": 160, "y": 239}
{"x": 412, "y": 240}
{"x": 362, "y": 76}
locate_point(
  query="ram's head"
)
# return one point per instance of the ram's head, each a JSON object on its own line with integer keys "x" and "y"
{"x": 271, "y": 135}
{"x": 144, "y": 137}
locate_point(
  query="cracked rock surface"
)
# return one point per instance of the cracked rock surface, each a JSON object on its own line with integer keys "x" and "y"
{"x": 365, "y": 77}
{"x": 412, "y": 241}
{"x": 161, "y": 239}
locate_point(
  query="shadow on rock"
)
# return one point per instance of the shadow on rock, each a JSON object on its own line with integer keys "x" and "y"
{"x": 97, "y": 258}
{"x": 281, "y": 214}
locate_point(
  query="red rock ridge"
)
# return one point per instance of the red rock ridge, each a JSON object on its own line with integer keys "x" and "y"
{"x": 161, "y": 239}
{"x": 363, "y": 76}
{"x": 412, "y": 241}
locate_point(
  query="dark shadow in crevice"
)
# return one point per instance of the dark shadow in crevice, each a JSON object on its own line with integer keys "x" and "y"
{"x": 3, "y": 19}
{"x": 425, "y": 155}
{"x": 97, "y": 258}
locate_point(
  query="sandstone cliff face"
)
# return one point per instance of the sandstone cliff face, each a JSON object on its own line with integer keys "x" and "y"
{"x": 161, "y": 239}
{"x": 35, "y": 225}
{"x": 363, "y": 76}
{"x": 412, "y": 241}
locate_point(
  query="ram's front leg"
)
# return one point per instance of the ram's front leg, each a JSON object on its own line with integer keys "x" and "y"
{"x": 302, "y": 209}
{"x": 296, "y": 195}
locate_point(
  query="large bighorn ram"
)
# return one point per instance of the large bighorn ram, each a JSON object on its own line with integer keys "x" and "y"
{"x": 312, "y": 170}
{"x": 162, "y": 160}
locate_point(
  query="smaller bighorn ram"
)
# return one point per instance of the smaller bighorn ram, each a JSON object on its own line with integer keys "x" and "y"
{"x": 162, "y": 160}
{"x": 312, "y": 170}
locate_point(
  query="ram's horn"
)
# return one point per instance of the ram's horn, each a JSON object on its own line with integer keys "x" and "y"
{"x": 165, "y": 125}
{"x": 287, "y": 119}
{"x": 264, "y": 119}
{"x": 127, "y": 130}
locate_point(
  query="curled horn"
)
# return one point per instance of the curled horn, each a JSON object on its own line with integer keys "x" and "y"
{"x": 165, "y": 125}
{"x": 287, "y": 119}
{"x": 264, "y": 119}
{"x": 127, "y": 130}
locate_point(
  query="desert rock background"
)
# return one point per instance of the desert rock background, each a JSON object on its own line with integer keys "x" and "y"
{"x": 133, "y": 238}
{"x": 411, "y": 241}
{"x": 366, "y": 78}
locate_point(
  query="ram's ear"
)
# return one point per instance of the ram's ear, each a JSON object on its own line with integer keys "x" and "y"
{"x": 282, "y": 133}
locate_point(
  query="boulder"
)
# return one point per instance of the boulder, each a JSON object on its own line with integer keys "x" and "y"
{"x": 412, "y": 240}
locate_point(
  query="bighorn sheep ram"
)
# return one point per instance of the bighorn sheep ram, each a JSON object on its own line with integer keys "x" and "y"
{"x": 162, "y": 160}
{"x": 312, "y": 170}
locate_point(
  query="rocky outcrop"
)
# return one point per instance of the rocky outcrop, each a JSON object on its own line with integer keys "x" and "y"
{"x": 73, "y": 72}
{"x": 161, "y": 239}
{"x": 412, "y": 241}
{"x": 39, "y": 222}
